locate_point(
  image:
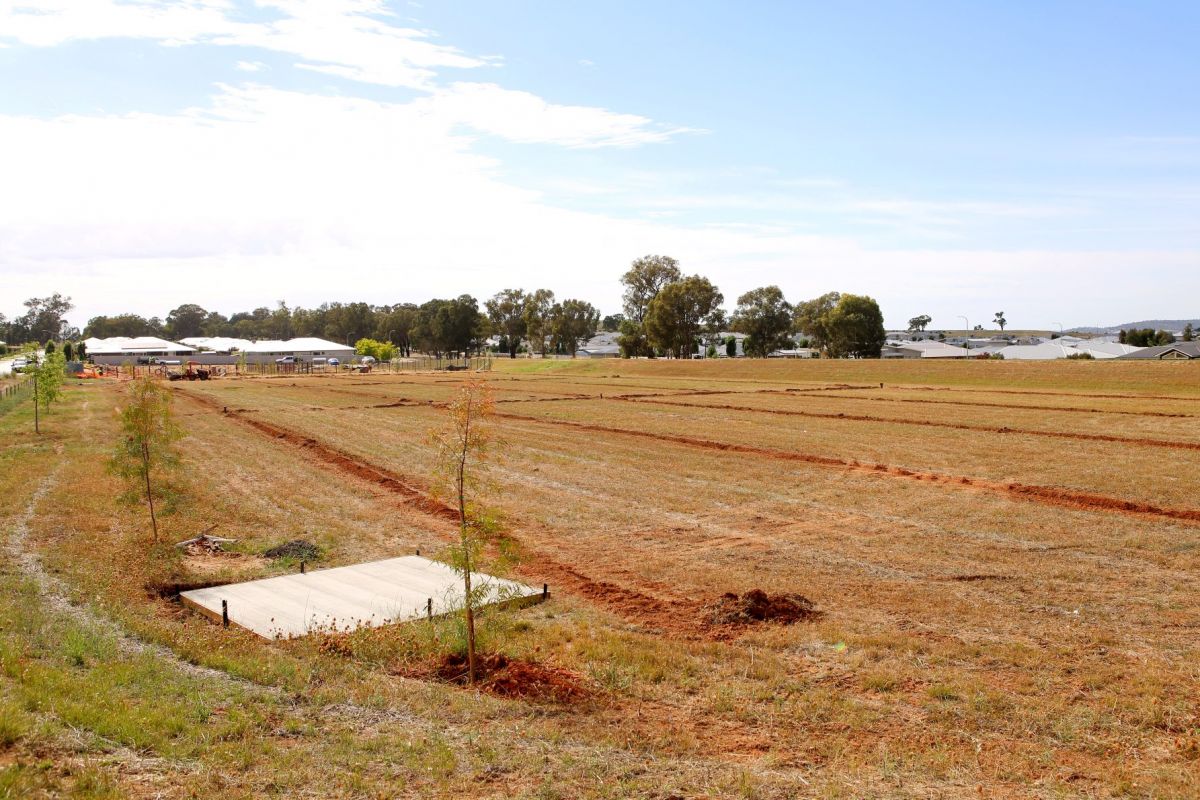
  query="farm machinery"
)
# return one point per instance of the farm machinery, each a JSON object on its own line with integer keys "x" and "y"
{"x": 192, "y": 371}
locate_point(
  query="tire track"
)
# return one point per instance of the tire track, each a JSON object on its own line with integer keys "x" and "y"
{"x": 1049, "y": 495}
{"x": 1087, "y": 437}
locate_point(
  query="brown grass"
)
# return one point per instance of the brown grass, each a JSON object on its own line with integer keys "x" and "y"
{"x": 1011, "y": 636}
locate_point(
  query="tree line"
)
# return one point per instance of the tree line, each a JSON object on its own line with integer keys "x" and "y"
{"x": 665, "y": 313}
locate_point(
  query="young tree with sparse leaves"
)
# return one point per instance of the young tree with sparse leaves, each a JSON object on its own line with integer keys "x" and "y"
{"x": 465, "y": 443}
{"x": 48, "y": 377}
{"x": 146, "y": 456}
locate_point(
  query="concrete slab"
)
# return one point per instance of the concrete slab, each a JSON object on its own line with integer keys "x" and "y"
{"x": 345, "y": 598}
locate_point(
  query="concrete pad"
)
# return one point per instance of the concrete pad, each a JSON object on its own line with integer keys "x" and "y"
{"x": 345, "y": 598}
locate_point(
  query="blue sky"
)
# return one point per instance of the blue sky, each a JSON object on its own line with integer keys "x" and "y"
{"x": 946, "y": 158}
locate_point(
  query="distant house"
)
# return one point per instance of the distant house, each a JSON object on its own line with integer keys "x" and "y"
{"x": 1046, "y": 351}
{"x": 1179, "y": 351}
{"x": 118, "y": 350}
{"x": 1102, "y": 349}
{"x": 602, "y": 345}
{"x": 923, "y": 349}
{"x": 217, "y": 344}
{"x": 304, "y": 349}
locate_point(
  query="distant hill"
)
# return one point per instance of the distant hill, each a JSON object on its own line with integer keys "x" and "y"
{"x": 1156, "y": 324}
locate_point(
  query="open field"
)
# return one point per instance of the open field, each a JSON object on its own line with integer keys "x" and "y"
{"x": 1005, "y": 556}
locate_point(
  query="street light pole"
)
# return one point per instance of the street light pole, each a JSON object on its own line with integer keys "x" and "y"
{"x": 966, "y": 331}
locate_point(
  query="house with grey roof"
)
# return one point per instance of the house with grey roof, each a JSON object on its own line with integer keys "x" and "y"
{"x": 1179, "y": 351}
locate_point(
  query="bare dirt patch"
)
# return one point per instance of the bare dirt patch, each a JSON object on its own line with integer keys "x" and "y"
{"x": 758, "y": 606}
{"x": 502, "y": 676}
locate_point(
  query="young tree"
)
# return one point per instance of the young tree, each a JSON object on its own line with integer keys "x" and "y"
{"x": 380, "y": 351}
{"x": 464, "y": 445}
{"x": 766, "y": 319}
{"x": 48, "y": 378}
{"x": 1122, "y": 337}
{"x": 506, "y": 310}
{"x": 680, "y": 312}
{"x": 1188, "y": 333}
{"x": 570, "y": 322}
{"x": 1000, "y": 320}
{"x": 919, "y": 323}
{"x": 731, "y": 346}
{"x": 145, "y": 455}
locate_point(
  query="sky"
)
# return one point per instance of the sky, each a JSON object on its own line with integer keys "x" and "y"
{"x": 947, "y": 158}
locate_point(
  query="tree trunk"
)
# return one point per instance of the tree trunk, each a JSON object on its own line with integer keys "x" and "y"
{"x": 149, "y": 494}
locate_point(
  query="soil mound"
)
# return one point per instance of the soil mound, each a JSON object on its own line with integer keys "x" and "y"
{"x": 517, "y": 678}
{"x": 297, "y": 549}
{"x": 758, "y": 606}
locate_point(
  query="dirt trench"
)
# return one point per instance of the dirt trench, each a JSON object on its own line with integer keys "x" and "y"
{"x": 673, "y": 616}
{"x": 1085, "y": 437}
{"x": 1049, "y": 495}
{"x": 1012, "y": 407}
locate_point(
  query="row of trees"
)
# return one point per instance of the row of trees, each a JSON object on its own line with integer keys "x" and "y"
{"x": 1148, "y": 337}
{"x": 665, "y": 313}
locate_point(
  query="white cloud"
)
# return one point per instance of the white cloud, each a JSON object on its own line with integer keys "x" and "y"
{"x": 524, "y": 117}
{"x": 343, "y": 37}
{"x": 250, "y": 66}
{"x": 271, "y": 194}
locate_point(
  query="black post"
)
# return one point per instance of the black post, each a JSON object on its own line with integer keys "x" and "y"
{"x": 224, "y": 614}
{"x": 545, "y": 591}
{"x": 301, "y": 567}
{"x": 429, "y": 609}
{"x": 418, "y": 551}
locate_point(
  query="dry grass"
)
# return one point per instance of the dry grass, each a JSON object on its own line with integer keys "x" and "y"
{"x": 972, "y": 641}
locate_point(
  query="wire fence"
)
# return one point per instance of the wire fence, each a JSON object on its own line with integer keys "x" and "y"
{"x": 13, "y": 394}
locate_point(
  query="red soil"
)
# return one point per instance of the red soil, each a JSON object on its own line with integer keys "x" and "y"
{"x": 511, "y": 677}
{"x": 1010, "y": 407}
{"x": 1045, "y": 494}
{"x": 1087, "y": 437}
{"x": 758, "y": 606}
